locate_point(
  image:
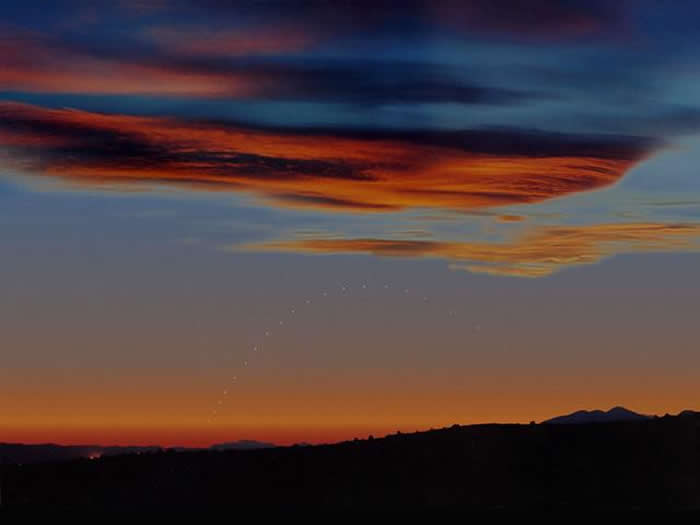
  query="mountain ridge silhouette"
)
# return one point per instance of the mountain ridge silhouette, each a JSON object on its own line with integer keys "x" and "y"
{"x": 617, "y": 413}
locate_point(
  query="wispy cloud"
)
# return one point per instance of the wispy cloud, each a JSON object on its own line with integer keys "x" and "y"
{"x": 538, "y": 252}
{"x": 34, "y": 62}
{"x": 230, "y": 64}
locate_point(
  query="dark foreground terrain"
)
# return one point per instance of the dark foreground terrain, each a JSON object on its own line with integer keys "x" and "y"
{"x": 647, "y": 464}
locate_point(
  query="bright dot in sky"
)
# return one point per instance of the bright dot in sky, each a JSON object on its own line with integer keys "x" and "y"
{"x": 386, "y": 286}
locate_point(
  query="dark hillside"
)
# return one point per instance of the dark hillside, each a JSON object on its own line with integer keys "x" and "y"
{"x": 651, "y": 463}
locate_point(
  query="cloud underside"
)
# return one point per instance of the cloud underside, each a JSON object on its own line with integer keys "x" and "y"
{"x": 540, "y": 252}
{"x": 327, "y": 169}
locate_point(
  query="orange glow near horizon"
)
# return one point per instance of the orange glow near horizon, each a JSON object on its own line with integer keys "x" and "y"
{"x": 323, "y": 430}
{"x": 382, "y": 407}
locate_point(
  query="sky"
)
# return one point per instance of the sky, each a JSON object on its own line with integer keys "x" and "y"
{"x": 312, "y": 221}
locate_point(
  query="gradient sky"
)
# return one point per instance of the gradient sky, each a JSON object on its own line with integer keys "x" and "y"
{"x": 440, "y": 214}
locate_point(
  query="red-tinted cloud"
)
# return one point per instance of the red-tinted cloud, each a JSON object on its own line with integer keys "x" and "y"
{"x": 205, "y": 63}
{"x": 31, "y": 62}
{"x": 322, "y": 169}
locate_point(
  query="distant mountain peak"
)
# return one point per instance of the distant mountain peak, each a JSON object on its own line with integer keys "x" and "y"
{"x": 617, "y": 413}
{"x": 619, "y": 410}
{"x": 243, "y": 444}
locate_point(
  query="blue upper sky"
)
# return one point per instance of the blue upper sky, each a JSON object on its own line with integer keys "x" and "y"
{"x": 626, "y": 67}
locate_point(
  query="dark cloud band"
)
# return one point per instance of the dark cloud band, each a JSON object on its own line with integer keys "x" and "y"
{"x": 324, "y": 168}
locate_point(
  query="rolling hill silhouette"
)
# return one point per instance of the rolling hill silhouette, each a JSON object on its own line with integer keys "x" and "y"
{"x": 634, "y": 464}
{"x": 18, "y": 453}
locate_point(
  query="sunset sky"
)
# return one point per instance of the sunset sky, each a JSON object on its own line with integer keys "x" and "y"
{"x": 310, "y": 220}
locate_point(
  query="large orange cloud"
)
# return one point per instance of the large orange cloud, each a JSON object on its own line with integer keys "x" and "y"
{"x": 540, "y": 252}
{"x": 321, "y": 169}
